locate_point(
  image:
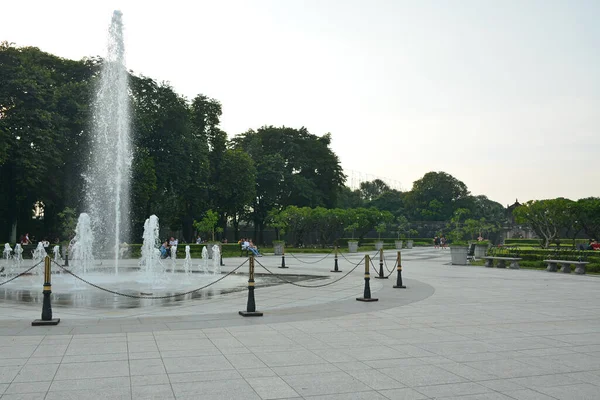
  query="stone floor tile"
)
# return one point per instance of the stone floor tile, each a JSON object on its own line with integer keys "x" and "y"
{"x": 101, "y": 369}
{"x": 325, "y": 383}
{"x": 528, "y": 394}
{"x": 153, "y": 392}
{"x": 36, "y": 373}
{"x": 582, "y": 391}
{"x": 146, "y": 367}
{"x": 28, "y": 387}
{"x": 271, "y": 388}
{"x": 403, "y": 394}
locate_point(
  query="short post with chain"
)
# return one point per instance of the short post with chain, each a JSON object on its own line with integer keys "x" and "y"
{"x": 399, "y": 284}
{"x": 381, "y": 275}
{"x": 283, "y": 259}
{"x": 46, "y": 305}
{"x": 335, "y": 261}
{"x": 367, "y": 292}
{"x": 251, "y": 305}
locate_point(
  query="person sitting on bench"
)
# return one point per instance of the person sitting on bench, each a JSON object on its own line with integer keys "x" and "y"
{"x": 252, "y": 247}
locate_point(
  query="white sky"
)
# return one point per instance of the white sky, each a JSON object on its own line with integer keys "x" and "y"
{"x": 503, "y": 94}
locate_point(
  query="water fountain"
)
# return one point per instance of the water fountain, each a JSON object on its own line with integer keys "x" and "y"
{"x": 38, "y": 255}
{"x": 204, "y": 260}
{"x": 152, "y": 268}
{"x": 187, "y": 264}
{"x": 173, "y": 258}
{"x": 57, "y": 257}
{"x": 109, "y": 171}
{"x": 216, "y": 260}
{"x": 6, "y": 253}
{"x": 83, "y": 257}
{"x": 18, "y": 256}
{"x": 101, "y": 232}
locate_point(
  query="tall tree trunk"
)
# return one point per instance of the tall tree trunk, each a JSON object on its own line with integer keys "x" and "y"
{"x": 236, "y": 227}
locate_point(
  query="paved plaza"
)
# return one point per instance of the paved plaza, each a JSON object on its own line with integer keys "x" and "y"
{"x": 456, "y": 332}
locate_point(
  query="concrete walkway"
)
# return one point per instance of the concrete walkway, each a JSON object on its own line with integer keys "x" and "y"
{"x": 455, "y": 333}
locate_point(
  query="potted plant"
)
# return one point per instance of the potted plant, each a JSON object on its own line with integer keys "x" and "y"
{"x": 481, "y": 247}
{"x": 409, "y": 242}
{"x": 380, "y": 228}
{"x": 352, "y": 244}
{"x": 459, "y": 248}
{"x": 278, "y": 247}
{"x": 401, "y": 227}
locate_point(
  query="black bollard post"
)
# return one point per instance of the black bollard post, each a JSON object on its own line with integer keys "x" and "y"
{"x": 335, "y": 261}
{"x": 283, "y": 260}
{"x": 381, "y": 275}
{"x": 221, "y": 261}
{"x": 67, "y": 257}
{"x": 46, "y": 305}
{"x": 251, "y": 305}
{"x": 367, "y": 293}
{"x": 399, "y": 284}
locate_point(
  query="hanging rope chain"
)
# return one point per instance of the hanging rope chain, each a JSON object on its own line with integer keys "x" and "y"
{"x": 149, "y": 297}
{"x": 21, "y": 274}
{"x": 310, "y": 286}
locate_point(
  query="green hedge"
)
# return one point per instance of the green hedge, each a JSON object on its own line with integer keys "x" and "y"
{"x": 538, "y": 242}
{"x": 343, "y": 242}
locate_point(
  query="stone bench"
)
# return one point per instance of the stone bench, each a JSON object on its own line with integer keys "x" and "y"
{"x": 514, "y": 262}
{"x": 566, "y": 266}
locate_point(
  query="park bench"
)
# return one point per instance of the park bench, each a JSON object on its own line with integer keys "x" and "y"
{"x": 566, "y": 266}
{"x": 514, "y": 262}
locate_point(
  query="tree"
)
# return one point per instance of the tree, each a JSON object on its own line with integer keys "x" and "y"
{"x": 545, "y": 217}
{"x": 208, "y": 224}
{"x": 372, "y": 189}
{"x": 43, "y": 115}
{"x": 439, "y": 190}
{"x": 587, "y": 213}
{"x": 294, "y": 167}
{"x": 236, "y": 188}
{"x": 348, "y": 198}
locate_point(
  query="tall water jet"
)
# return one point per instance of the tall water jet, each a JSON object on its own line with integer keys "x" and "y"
{"x": 6, "y": 253}
{"x": 204, "y": 260}
{"x": 38, "y": 255}
{"x": 56, "y": 251}
{"x": 216, "y": 260}
{"x": 109, "y": 171}
{"x": 151, "y": 266}
{"x": 84, "y": 244}
{"x": 187, "y": 264}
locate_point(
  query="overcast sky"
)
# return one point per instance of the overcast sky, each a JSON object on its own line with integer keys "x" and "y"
{"x": 504, "y": 95}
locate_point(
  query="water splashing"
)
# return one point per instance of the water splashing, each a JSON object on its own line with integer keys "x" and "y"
{"x": 38, "y": 255}
{"x": 152, "y": 268}
{"x": 109, "y": 171}
{"x": 187, "y": 264}
{"x": 84, "y": 245}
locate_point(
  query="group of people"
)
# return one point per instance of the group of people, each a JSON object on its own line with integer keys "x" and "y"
{"x": 593, "y": 245}
{"x": 248, "y": 245}
{"x": 440, "y": 242}
{"x": 167, "y": 247}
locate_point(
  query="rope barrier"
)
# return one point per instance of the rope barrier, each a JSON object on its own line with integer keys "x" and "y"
{"x": 310, "y": 286}
{"x": 374, "y": 269}
{"x": 149, "y": 297}
{"x": 311, "y": 262}
{"x": 21, "y": 274}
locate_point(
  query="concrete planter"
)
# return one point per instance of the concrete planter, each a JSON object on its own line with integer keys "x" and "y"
{"x": 353, "y": 246}
{"x": 459, "y": 254}
{"x": 480, "y": 250}
{"x": 209, "y": 248}
{"x": 409, "y": 244}
{"x": 278, "y": 248}
{"x": 398, "y": 244}
{"x": 378, "y": 245}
